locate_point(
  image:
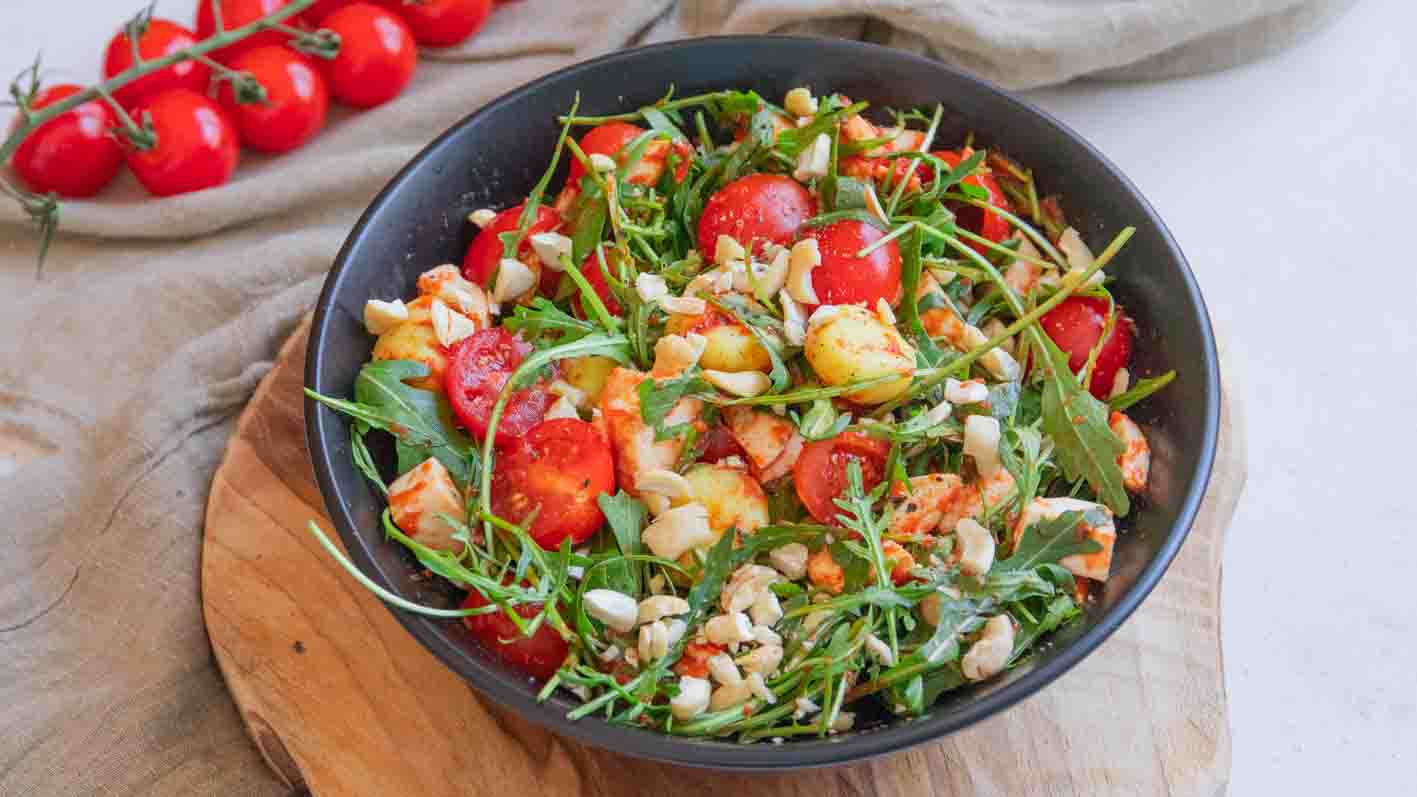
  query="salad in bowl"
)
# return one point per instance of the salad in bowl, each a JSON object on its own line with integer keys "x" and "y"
{"x": 775, "y": 408}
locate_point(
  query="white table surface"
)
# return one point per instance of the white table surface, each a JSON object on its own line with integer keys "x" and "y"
{"x": 1291, "y": 185}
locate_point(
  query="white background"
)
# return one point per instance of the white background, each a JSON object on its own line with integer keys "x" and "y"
{"x": 1292, "y": 186}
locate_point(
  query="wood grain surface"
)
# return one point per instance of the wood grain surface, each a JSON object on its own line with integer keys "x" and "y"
{"x": 340, "y": 699}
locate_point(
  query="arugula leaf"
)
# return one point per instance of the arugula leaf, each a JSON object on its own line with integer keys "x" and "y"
{"x": 363, "y": 460}
{"x": 792, "y": 141}
{"x": 1044, "y": 543}
{"x": 1142, "y": 389}
{"x": 704, "y": 595}
{"x": 911, "y": 267}
{"x": 1060, "y": 610}
{"x": 657, "y": 399}
{"x": 626, "y": 518}
{"x": 1023, "y": 455}
{"x": 958, "y": 616}
{"x": 822, "y": 421}
{"x": 544, "y": 318}
{"x": 1084, "y": 444}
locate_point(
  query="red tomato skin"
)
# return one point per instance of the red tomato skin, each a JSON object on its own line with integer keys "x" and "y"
{"x": 1076, "y": 324}
{"x": 844, "y": 278}
{"x": 560, "y": 467}
{"x": 161, "y": 38}
{"x": 720, "y": 444}
{"x": 315, "y": 14}
{"x": 485, "y": 251}
{"x": 538, "y": 655}
{"x": 987, "y": 224}
{"x": 234, "y": 14}
{"x": 478, "y": 368}
{"x": 296, "y": 100}
{"x": 73, "y": 154}
{"x": 377, "y": 55}
{"x": 763, "y": 208}
{"x": 595, "y": 275}
{"x": 820, "y": 474}
{"x": 197, "y": 145}
{"x": 442, "y": 23}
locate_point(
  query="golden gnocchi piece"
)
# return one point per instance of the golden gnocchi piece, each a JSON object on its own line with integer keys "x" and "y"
{"x": 415, "y": 339}
{"x": 733, "y": 498}
{"x": 853, "y": 344}
{"x": 728, "y": 345}
{"x": 588, "y": 375}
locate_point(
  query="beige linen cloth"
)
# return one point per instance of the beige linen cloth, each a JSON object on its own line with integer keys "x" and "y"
{"x": 130, "y": 361}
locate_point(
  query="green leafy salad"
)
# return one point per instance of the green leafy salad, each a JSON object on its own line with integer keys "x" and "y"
{"x": 771, "y": 417}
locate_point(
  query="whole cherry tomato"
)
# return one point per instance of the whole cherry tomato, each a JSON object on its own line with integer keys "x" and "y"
{"x": 1076, "y": 324}
{"x": 442, "y": 23}
{"x": 538, "y": 655}
{"x": 483, "y": 254}
{"x": 196, "y": 145}
{"x": 611, "y": 137}
{"x": 377, "y": 55}
{"x": 315, "y": 14}
{"x": 73, "y": 154}
{"x": 159, "y": 38}
{"x": 720, "y": 444}
{"x": 296, "y": 100}
{"x": 762, "y": 208}
{"x": 975, "y": 219}
{"x": 234, "y": 14}
{"x": 820, "y": 474}
{"x": 478, "y": 368}
{"x": 844, "y": 278}
{"x": 557, "y": 470}
{"x": 595, "y": 275}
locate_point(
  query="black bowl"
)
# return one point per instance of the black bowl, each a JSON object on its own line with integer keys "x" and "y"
{"x": 494, "y": 156}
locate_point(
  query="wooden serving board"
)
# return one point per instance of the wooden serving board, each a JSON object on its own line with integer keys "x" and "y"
{"x": 342, "y": 701}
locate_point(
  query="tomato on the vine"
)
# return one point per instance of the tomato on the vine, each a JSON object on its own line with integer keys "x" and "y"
{"x": 975, "y": 219}
{"x": 845, "y": 278}
{"x": 820, "y": 474}
{"x": 485, "y": 251}
{"x": 478, "y": 368}
{"x": 377, "y": 55}
{"x": 762, "y": 208}
{"x": 538, "y": 655}
{"x": 158, "y": 38}
{"x": 442, "y": 23}
{"x": 73, "y": 154}
{"x": 1076, "y": 325}
{"x": 196, "y": 144}
{"x": 557, "y": 470}
{"x": 234, "y": 14}
{"x": 316, "y": 13}
{"x": 296, "y": 99}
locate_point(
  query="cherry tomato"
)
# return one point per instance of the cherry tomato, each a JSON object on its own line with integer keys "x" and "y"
{"x": 820, "y": 474}
{"x": 234, "y": 14}
{"x": 296, "y": 100}
{"x": 763, "y": 208}
{"x": 196, "y": 144}
{"x": 844, "y": 278}
{"x": 377, "y": 55}
{"x": 975, "y": 219}
{"x": 557, "y": 469}
{"x": 538, "y": 655}
{"x": 720, "y": 444}
{"x": 315, "y": 14}
{"x": 1076, "y": 324}
{"x": 442, "y": 23}
{"x": 159, "y": 38}
{"x": 73, "y": 154}
{"x": 480, "y": 262}
{"x": 478, "y": 368}
{"x": 595, "y": 275}
{"x": 611, "y": 137}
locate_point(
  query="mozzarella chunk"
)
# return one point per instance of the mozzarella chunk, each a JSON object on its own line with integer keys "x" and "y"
{"x": 616, "y": 609}
{"x": 446, "y": 282}
{"x": 990, "y": 653}
{"x": 550, "y": 247}
{"x": 381, "y": 316}
{"x": 815, "y": 160}
{"x": 1135, "y": 460}
{"x": 678, "y": 531}
{"x": 692, "y": 699}
{"x": 970, "y": 392}
{"x": 417, "y": 498}
{"x": 981, "y": 441}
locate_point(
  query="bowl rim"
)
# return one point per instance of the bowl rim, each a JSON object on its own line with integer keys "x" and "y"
{"x": 513, "y": 695}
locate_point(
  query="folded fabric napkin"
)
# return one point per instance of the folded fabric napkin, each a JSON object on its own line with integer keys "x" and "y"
{"x": 130, "y": 361}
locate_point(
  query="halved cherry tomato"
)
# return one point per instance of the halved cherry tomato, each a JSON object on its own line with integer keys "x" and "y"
{"x": 595, "y": 275}
{"x": 844, "y": 278}
{"x": 72, "y": 154}
{"x": 611, "y": 137}
{"x": 762, "y": 208}
{"x": 1076, "y": 324}
{"x": 296, "y": 100}
{"x": 377, "y": 55}
{"x": 820, "y": 474}
{"x": 159, "y": 38}
{"x": 557, "y": 470}
{"x": 442, "y": 23}
{"x": 720, "y": 444}
{"x": 480, "y": 262}
{"x": 196, "y": 147}
{"x": 977, "y": 220}
{"x": 538, "y": 655}
{"x": 478, "y": 368}
{"x": 234, "y": 14}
